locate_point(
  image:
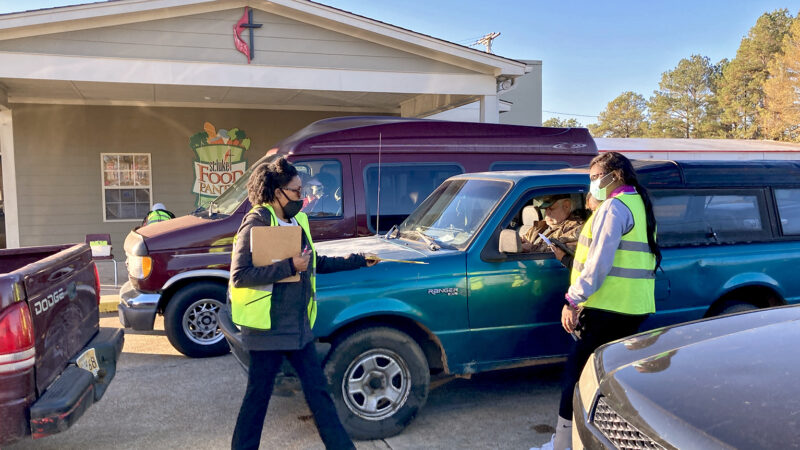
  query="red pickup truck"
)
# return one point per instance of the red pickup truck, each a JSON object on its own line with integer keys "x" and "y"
{"x": 55, "y": 360}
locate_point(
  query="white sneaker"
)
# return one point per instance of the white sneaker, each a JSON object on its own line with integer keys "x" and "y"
{"x": 547, "y": 445}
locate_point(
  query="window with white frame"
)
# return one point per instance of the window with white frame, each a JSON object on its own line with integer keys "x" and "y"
{"x": 126, "y": 186}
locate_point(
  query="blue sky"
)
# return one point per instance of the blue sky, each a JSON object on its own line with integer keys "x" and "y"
{"x": 591, "y": 51}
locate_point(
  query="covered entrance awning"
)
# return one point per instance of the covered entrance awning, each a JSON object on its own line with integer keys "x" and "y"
{"x": 301, "y": 55}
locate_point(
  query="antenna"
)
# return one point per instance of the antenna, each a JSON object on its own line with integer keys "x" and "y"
{"x": 487, "y": 41}
{"x": 378, "y": 212}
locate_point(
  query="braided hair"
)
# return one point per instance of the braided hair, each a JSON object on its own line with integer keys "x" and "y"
{"x": 266, "y": 178}
{"x": 613, "y": 161}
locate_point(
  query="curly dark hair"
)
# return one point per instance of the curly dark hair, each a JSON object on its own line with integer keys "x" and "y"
{"x": 266, "y": 178}
{"x": 617, "y": 162}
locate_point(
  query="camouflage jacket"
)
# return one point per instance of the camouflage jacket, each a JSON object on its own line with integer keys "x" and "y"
{"x": 566, "y": 232}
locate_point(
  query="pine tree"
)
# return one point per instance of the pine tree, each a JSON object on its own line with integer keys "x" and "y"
{"x": 741, "y": 90}
{"x": 682, "y": 107}
{"x": 624, "y": 117}
{"x": 781, "y": 113}
{"x": 561, "y": 123}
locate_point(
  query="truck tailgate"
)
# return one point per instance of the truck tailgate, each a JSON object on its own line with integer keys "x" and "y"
{"x": 63, "y": 300}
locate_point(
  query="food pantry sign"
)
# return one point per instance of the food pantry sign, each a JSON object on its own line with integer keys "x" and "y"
{"x": 220, "y": 161}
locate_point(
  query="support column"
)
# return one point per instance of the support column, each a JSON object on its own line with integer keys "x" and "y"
{"x": 490, "y": 109}
{"x": 9, "y": 177}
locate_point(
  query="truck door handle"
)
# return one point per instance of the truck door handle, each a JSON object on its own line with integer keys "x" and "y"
{"x": 60, "y": 273}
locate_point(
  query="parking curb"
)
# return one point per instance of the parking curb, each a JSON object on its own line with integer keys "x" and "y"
{"x": 108, "y": 303}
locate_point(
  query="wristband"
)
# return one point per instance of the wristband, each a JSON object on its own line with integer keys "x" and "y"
{"x": 570, "y": 303}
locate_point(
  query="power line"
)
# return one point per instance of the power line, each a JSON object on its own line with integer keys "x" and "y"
{"x": 569, "y": 114}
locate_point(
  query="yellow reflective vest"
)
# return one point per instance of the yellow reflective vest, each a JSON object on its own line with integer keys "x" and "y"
{"x": 250, "y": 306}
{"x": 157, "y": 216}
{"x": 629, "y": 288}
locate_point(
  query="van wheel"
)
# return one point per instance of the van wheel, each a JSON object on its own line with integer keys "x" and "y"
{"x": 380, "y": 380}
{"x": 191, "y": 323}
{"x": 733, "y": 306}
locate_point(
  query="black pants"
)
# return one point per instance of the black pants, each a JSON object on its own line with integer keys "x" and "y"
{"x": 264, "y": 366}
{"x": 596, "y": 327}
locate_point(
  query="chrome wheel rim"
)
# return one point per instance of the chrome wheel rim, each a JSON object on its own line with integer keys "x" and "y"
{"x": 376, "y": 384}
{"x": 200, "y": 322}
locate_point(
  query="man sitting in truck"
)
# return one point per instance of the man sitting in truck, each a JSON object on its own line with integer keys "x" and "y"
{"x": 562, "y": 221}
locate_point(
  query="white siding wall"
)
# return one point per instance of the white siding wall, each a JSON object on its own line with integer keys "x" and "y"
{"x": 209, "y": 38}
{"x": 58, "y": 149}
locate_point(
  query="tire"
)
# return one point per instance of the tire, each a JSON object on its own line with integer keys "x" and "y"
{"x": 734, "y": 306}
{"x": 372, "y": 359}
{"x": 191, "y": 323}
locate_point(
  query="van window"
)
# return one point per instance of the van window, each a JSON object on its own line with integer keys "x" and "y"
{"x": 527, "y": 165}
{"x": 789, "y": 209}
{"x": 322, "y": 187}
{"x": 403, "y": 188}
{"x": 709, "y": 217}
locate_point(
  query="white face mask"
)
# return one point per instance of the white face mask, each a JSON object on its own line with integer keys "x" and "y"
{"x": 599, "y": 192}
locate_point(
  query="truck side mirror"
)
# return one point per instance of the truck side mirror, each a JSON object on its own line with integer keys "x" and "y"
{"x": 510, "y": 242}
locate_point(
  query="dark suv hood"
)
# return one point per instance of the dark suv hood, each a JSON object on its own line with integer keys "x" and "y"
{"x": 730, "y": 381}
{"x": 186, "y": 232}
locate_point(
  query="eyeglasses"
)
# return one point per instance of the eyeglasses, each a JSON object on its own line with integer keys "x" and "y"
{"x": 298, "y": 191}
{"x": 597, "y": 176}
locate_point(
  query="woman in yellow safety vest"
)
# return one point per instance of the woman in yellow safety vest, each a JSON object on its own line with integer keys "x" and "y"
{"x": 276, "y": 318}
{"x": 612, "y": 283}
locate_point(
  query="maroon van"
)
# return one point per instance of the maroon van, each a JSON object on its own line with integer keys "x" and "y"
{"x": 179, "y": 268}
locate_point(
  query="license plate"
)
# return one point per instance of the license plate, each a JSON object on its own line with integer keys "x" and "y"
{"x": 88, "y": 361}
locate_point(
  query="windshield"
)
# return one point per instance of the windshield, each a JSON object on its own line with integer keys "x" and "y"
{"x": 454, "y": 212}
{"x": 229, "y": 201}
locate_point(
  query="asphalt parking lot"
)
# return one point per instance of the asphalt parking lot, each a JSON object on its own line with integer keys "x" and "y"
{"x": 160, "y": 399}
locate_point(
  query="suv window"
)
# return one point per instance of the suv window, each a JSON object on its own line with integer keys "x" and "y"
{"x": 709, "y": 217}
{"x": 403, "y": 188}
{"x": 789, "y": 210}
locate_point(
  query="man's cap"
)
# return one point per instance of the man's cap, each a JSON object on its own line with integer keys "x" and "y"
{"x": 313, "y": 182}
{"x": 158, "y": 206}
{"x": 548, "y": 200}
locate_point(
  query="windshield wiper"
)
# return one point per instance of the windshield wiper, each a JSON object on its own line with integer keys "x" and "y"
{"x": 428, "y": 240}
{"x": 392, "y": 233}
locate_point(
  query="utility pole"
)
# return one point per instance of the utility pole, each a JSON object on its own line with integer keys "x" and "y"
{"x": 487, "y": 41}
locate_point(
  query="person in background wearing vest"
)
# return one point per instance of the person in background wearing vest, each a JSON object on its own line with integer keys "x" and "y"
{"x": 159, "y": 213}
{"x": 612, "y": 284}
{"x": 276, "y": 319}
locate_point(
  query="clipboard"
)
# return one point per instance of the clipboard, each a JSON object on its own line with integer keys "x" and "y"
{"x": 269, "y": 245}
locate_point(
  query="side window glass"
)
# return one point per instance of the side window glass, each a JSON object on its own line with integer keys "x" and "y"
{"x": 559, "y": 217}
{"x": 708, "y": 217}
{"x": 322, "y": 187}
{"x": 403, "y": 188}
{"x": 789, "y": 210}
{"x": 527, "y": 165}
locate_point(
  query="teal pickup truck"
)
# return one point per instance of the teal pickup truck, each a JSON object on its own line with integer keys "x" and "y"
{"x": 473, "y": 302}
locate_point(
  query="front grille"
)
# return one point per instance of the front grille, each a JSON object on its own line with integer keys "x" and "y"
{"x": 622, "y": 434}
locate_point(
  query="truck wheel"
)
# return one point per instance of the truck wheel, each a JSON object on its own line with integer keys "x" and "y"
{"x": 190, "y": 320}
{"x": 380, "y": 380}
{"x": 734, "y": 306}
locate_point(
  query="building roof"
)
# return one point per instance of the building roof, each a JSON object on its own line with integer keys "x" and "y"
{"x": 116, "y": 12}
{"x": 630, "y": 145}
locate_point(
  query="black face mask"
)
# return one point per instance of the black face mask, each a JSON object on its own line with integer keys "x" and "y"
{"x": 292, "y": 207}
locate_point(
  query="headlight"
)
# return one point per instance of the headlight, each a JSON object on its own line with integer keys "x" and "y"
{"x": 139, "y": 267}
{"x": 588, "y": 384}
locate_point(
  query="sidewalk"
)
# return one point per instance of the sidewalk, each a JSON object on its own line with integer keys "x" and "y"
{"x": 109, "y": 291}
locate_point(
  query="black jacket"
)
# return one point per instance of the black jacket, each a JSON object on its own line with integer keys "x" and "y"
{"x": 290, "y": 328}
